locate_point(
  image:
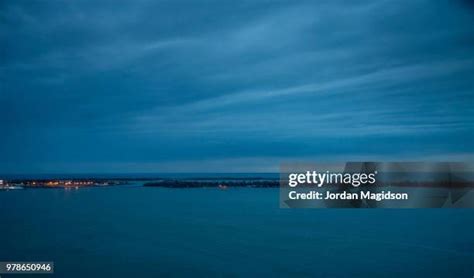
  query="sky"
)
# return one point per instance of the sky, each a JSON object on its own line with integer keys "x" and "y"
{"x": 232, "y": 86}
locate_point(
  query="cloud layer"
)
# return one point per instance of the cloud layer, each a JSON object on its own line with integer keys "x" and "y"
{"x": 130, "y": 86}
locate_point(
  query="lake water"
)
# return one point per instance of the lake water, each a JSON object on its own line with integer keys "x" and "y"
{"x": 136, "y": 231}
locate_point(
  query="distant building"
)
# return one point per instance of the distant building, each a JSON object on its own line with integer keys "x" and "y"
{"x": 1, "y": 182}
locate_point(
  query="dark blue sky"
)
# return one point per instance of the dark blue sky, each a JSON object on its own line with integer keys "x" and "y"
{"x": 177, "y": 86}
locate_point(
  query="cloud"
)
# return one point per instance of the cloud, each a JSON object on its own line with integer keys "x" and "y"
{"x": 162, "y": 83}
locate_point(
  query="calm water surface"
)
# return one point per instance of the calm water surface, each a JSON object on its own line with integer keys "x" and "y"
{"x": 148, "y": 232}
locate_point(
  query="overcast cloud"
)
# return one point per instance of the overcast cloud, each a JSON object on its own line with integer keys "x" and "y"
{"x": 160, "y": 86}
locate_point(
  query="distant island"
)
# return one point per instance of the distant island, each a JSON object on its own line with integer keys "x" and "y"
{"x": 222, "y": 183}
{"x": 58, "y": 183}
{"x": 209, "y": 182}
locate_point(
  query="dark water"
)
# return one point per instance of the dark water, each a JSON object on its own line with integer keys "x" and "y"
{"x": 149, "y": 232}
